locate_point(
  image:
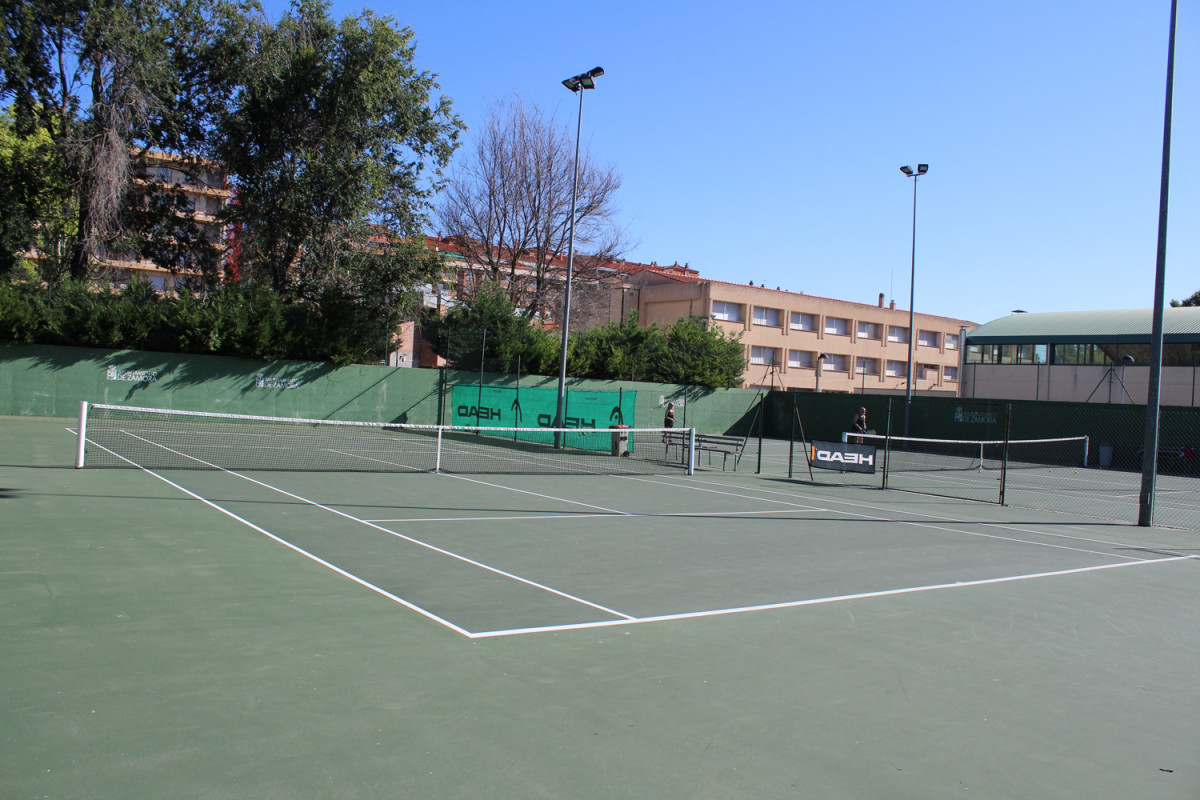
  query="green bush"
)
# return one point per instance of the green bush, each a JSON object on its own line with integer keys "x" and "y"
{"x": 249, "y": 321}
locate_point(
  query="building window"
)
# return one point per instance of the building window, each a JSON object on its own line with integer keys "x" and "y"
{"x": 951, "y": 341}
{"x": 1093, "y": 354}
{"x": 837, "y": 326}
{"x": 803, "y": 322}
{"x": 950, "y": 374}
{"x": 867, "y": 366}
{"x": 767, "y": 316}
{"x": 897, "y": 334}
{"x": 164, "y": 174}
{"x": 869, "y": 330}
{"x": 801, "y": 359}
{"x": 764, "y": 355}
{"x": 927, "y": 372}
{"x": 1031, "y": 354}
{"x": 835, "y": 363}
{"x": 927, "y": 338}
{"x": 896, "y": 369}
{"x": 728, "y": 312}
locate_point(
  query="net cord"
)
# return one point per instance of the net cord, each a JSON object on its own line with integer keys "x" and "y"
{"x": 85, "y": 409}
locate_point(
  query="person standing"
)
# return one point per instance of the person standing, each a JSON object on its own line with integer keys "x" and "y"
{"x": 669, "y": 417}
{"x": 860, "y": 424}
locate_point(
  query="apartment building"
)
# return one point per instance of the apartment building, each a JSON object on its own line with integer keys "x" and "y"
{"x": 206, "y": 191}
{"x": 800, "y": 342}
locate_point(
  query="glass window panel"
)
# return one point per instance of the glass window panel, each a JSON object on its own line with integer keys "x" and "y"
{"x": 801, "y": 359}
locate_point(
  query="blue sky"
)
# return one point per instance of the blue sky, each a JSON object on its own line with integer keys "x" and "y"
{"x": 761, "y": 141}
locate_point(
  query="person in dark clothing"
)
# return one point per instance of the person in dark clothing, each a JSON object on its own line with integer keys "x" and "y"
{"x": 860, "y": 425}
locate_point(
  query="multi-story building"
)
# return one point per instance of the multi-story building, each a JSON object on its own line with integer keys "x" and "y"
{"x": 205, "y": 189}
{"x": 801, "y": 342}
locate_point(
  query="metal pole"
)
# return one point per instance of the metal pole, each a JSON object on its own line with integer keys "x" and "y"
{"x": 566, "y": 314}
{"x": 912, "y": 333}
{"x": 1150, "y": 442}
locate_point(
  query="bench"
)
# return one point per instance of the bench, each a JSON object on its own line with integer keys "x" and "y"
{"x": 1176, "y": 458}
{"x": 709, "y": 443}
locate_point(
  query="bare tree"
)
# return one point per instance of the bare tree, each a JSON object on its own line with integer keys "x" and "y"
{"x": 508, "y": 206}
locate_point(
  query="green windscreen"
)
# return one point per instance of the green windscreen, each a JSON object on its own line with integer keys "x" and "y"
{"x": 516, "y": 407}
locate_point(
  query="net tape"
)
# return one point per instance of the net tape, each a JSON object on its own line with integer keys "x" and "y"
{"x": 914, "y": 454}
{"x": 134, "y": 437}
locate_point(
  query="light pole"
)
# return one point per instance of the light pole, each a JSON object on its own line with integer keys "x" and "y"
{"x": 577, "y": 85}
{"x": 912, "y": 333}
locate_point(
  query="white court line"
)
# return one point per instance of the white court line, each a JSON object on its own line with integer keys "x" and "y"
{"x": 820, "y": 600}
{"x": 624, "y": 515}
{"x": 930, "y": 526}
{"x": 536, "y": 494}
{"x": 289, "y": 545}
{"x": 627, "y": 619}
{"x": 380, "y": 528}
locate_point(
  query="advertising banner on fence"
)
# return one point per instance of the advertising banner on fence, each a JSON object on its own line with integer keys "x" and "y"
{"x": 843, "y": 457}
{"x": 513, "y": 407}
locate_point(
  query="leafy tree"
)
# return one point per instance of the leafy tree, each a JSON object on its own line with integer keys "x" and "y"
{"x": 619, "y": 350}
{"x": 701, "y": 354}
{"x": 105, "y": 80}
{"x": 689, "y": 352}
{"x": 35, "y": 210}
{"x": 1194, "y": 300}
{"x": 509, "y": 207}
{"x": 337, "y": 148}
{"x": 487, "y": 330}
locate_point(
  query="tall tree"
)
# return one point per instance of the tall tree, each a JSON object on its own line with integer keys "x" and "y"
{"x": 509, "y": 206}
{"x": 487, "y": 331}
{"x": 337, "y": 147}
{"x": 107, "y": 78}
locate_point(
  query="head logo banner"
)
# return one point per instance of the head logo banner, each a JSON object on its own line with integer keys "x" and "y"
{"x": 843, "y": 457}
{"x": 535, "y": 407}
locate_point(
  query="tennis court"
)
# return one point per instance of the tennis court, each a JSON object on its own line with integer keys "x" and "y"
{"x": 303, "y": 633}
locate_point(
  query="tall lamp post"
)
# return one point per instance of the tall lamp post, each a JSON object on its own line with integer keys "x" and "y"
{"x": 577, "y": 85}
{"x": 912, "y": 333}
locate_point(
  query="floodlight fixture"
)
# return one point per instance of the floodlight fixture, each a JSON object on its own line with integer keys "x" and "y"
{"x": 584, "y": 80}
{"x": 922, "y": 169}
{"x": 908, "y": 171}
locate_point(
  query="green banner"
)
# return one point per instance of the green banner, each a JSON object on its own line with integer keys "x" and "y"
{"x": 514, "y": 407}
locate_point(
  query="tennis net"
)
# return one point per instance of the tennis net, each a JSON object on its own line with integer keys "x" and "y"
{"x": 912, "y": 454}
{"x": 113, "y": 436}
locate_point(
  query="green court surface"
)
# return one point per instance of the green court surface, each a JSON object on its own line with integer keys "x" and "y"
{"x": 206, "y": 634}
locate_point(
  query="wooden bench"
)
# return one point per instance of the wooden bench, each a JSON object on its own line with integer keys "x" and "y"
{"x": 709, "y": 443}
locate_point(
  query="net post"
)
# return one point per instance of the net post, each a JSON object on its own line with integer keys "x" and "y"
{"x": 82, "y": 445}
{"x": 887, "y": 443}
{"x": 792, "y": 435}
{"x": 437, "y": 461}
{"x": 1086, "y": 439}
{"x": 691, "y": 454}
{"x": 1004, "y": 451}
{"x": 762, "y": 410}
